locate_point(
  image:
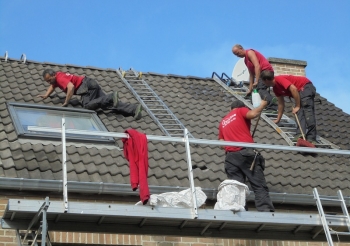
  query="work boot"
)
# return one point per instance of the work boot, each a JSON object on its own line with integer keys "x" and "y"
{"x": 115, "y": 99}
{"x": 138, "y": 112}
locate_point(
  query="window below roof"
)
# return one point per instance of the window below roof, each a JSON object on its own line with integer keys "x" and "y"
{"x": 24, "y": 115}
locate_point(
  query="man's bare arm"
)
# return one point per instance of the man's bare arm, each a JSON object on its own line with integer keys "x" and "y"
{"x": 70, "y": 92}
{"x": 257, "y": 69}
{"x": 295, "y": 94}
{"x": 253, "y": 113}
{"x": 280, "y": 109}
{"x": 48, "y": 92}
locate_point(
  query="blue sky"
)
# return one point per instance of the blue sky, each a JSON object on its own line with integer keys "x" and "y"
{"x": 183, "y": 37}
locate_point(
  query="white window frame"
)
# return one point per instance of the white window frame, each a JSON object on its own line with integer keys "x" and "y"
{"x": 13, "y": 108}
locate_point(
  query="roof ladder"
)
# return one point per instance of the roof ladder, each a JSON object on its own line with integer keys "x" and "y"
{"x": 329, "y": 231}
{"x": 239, "y": 92}
{"x": 152, "y": 104}
{"x": 286, "y": 127}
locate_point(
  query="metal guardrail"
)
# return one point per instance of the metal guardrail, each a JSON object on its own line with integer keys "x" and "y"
{"x": 187, "y": 141}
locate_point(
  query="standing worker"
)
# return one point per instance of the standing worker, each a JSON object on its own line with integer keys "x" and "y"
{"x": 256, "y": 63}
{"x": 92, "y": 95}
{"x": 235, "y": 126}
{"x": 303, "y": 92}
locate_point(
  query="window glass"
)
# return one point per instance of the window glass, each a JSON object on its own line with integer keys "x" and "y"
{"x": 44, "y": 116}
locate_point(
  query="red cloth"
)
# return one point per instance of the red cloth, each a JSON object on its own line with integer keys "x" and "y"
{"x": 62, "y": 80}
{"x": 235, "y": 127}
{"x": 136, "y": 152}
{"x": 263, "y": 62}
{"x": 282, "y": 83}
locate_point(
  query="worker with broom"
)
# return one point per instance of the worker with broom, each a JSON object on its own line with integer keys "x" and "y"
{"x": 242, "y": 163}
{"x": 303, "y": 92}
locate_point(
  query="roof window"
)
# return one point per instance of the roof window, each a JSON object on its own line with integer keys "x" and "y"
{"x": 24, "y": 115}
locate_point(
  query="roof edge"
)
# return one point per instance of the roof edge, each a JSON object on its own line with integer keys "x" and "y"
{"x": 21, "y": 184}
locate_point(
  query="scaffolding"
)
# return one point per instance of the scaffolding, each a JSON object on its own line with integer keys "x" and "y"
{"x": 123, "y": 218}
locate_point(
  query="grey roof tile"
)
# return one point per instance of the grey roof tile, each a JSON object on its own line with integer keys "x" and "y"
{"x": 199, "y": 103}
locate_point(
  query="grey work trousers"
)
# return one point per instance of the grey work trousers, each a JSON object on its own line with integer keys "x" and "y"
{"x": 237, "y": 167}
{"x": 265, "y": 94}
{"x": 93, "y": 97}
{"x": 306, "y": 113}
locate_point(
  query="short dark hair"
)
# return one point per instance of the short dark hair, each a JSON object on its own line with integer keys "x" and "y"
{"x": 48, "y": 71}
{"x": 237, "y": 104}
{"x": 267, "y": 75}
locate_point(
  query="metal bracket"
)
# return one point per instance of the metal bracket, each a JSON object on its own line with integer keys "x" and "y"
{"x": 6, "y": 56}
{"x": 23, "y": 58}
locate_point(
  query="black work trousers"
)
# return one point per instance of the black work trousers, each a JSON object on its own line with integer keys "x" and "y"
{"x": 306, "y": 113}
{"x": 93, "y": 97}
{"x": 237, "y": 167}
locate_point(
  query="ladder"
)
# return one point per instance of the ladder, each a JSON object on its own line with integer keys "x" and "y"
{"x": 286, "y": 127}
{"x": 32, "y": 237}
{"x": 328, "y": 231}
{"x": 169, "y": 124}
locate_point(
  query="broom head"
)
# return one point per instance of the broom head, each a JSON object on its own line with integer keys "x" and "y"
{"x": 303, "y": 143}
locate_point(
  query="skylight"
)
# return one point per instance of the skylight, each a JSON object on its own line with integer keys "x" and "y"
{"x": 25, "y": 115}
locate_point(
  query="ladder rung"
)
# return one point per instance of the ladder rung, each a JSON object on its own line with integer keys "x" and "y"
{"x": 166, "y": 120}
{"x": 336, "y": 216}
{"x": 340, "y": 233}
{"x": 330, "y": 199}
{"x": 170, "y": 124}
{"x": 174, "y": 129}
{"x": 162, "y": 114}
{"x": 145, "y": 92}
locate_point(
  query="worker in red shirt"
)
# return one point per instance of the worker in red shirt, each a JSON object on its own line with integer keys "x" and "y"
{"x": 92, "y": 95}
{"x": 235, "y": 126}
{"x": 303, "y": 92}
{"x": 256, "y": 63}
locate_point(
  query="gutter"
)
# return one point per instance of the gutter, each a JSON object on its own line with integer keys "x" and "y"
{"x": 21, "y": 184}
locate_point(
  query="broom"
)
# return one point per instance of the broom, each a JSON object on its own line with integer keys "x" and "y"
{"x": 302, "y": 141}
{"x": 253, "y": 163}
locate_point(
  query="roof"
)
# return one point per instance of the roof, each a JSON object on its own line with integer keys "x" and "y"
{"x": 199, "y": 103}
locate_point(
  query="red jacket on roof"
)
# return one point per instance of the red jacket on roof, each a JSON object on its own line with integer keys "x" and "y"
{"x": 136, "y": 152}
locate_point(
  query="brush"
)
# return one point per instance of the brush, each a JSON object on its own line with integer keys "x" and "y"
{"x": 303, "y": 142}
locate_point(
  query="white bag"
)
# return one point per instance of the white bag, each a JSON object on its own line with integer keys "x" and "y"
{"x": 231, "y": 196}
{"x": 182, "y": 199}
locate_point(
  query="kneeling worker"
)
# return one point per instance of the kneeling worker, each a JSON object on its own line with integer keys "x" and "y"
{"x": 92, "y": 95}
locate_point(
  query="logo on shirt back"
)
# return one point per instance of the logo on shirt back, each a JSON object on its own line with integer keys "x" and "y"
{"x": 227, "y": 121}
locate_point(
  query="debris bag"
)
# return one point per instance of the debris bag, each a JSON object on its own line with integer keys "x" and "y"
{"x": 182, "y": 199}
{"x": 231, "y": 195}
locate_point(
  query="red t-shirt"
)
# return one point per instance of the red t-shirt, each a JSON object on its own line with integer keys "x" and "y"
{"x": 263, "y": 62}
{"x": 282, "y": 83}
{"x": 62, "y": 80}
{"x": 235, "y": 127}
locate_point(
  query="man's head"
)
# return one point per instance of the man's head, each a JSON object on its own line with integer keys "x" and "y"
{"x": 237, "y": 104}
{"x": 49, "y": 76}
{"x": 238, "y": 50}
{"x": 268, "y": 77}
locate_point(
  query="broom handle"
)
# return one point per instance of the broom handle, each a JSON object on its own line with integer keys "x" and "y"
{"x": 301, "y": 130}
{"x": 257, "y": 122}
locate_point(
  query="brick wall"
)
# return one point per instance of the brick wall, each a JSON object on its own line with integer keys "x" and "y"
{"x": 8, "y": 237}
{"x": 288, "y": 66}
